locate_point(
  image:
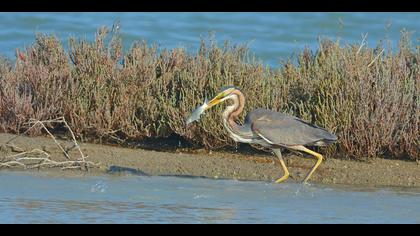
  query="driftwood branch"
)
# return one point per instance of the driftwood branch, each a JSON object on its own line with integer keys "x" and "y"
{"x": 37, "y": 158}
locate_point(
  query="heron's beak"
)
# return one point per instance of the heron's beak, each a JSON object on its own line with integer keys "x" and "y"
{"x": 216, "y": 100}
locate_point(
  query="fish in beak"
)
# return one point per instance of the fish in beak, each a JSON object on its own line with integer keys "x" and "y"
{"x": 222, "y": 96}
{"x": 196, "y": 114}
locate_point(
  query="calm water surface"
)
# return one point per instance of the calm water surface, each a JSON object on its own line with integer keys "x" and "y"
{"x": 38, "y": 198}
{"x": 271, "y": 36}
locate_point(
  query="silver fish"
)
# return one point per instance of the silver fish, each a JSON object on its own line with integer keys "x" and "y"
{"x": 195, "y": 115}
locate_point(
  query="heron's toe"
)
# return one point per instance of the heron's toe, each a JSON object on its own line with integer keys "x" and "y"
{"x": 282, "y": 179}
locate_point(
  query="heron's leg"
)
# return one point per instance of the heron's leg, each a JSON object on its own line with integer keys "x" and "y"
{"x": 286, "y": 172}
{"x": 318, "y": 162}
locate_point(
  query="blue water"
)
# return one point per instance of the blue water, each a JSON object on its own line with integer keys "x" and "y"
{"x": 38, "y": 198}
{"x": 273, "y": 37}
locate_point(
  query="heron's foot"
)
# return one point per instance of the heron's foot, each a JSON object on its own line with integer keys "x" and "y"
{"x": 319, "y": 157}
{"x": 305, "y": 182}
{"x": 282, "y": 179}
{"x": 315, "y": 154}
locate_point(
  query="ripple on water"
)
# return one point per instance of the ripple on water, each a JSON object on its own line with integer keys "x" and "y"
{"x": 139, "y": 199}
{"x": 272, "y": 36}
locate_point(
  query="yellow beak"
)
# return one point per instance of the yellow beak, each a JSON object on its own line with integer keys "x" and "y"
{"x": 216, "y": 100}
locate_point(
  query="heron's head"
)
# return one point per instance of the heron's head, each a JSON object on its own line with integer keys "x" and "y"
{"x": 224, "y": 94}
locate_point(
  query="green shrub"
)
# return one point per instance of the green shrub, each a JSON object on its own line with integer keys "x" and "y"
{"x": 368, "y": 97}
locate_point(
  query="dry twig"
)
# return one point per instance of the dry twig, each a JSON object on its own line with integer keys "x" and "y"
{"x": 37, "y": 158}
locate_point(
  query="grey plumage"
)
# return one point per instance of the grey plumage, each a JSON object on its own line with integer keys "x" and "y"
{"x": 285, "y": 130}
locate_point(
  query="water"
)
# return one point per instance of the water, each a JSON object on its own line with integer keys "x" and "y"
{"x": 273, "y": 37}
{"x": 38, "y": 198}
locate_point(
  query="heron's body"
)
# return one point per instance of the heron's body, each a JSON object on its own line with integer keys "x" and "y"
{"x": 271, "y": 129}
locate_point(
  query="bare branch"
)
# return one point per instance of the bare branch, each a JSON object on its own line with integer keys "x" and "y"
{"x": 377, "y": 56}
{"x": 32, "y": 160}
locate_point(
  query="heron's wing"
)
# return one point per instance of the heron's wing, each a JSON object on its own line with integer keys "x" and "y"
{"x": 281, "y": 129}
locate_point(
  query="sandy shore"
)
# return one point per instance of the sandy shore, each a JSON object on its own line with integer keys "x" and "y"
{"x": 241, "y": 166}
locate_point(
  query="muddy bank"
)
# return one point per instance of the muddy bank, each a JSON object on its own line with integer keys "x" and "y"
{"x": 255, "y": 166}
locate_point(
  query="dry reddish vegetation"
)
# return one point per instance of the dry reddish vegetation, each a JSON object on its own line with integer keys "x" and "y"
{"x": 368, "y": 97}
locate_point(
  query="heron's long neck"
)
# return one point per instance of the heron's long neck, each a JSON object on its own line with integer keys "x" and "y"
{"x": 232, "y": 112}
